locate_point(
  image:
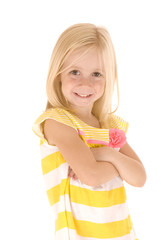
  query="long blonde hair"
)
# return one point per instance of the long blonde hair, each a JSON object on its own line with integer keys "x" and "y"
{"x": 89, "y": 36}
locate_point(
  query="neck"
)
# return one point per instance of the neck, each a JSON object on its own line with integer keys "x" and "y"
{"x": 86, "y": 116}
{"x": 85, "y": 113}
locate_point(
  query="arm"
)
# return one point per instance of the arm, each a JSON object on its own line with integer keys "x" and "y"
{"x": 78, "y": 154}
{"x": 126, "y": 161}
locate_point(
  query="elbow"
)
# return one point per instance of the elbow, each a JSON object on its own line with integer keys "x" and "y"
{"x": 92, "y": 182}
{"x": 88, "y": 179}
{"x": 140, "y": 181}
{"x": 89, "y": 183}
{"x": 140, "y": 184}
{"x": 143, "y": 179}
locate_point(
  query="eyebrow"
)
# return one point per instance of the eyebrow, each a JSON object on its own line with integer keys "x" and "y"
{"x": 77, "y": 67}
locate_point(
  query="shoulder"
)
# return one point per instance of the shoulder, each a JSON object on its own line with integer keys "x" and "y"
{"x": 57, "y": 125}
{"x": 51, "y": 120}
{"x": 56, "y": 131}
{"x": 59, "y": 115}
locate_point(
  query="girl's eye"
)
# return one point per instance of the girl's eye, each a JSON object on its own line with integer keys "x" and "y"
{"x": 75, "y": 72}
{"x": 97, "y": 74}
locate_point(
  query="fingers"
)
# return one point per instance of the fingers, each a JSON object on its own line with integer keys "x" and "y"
{"x": 72, "y": 174}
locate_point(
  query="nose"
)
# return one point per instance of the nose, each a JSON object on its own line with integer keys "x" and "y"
{"x": 85, "y": 85}
{"x": 85, "y": 81}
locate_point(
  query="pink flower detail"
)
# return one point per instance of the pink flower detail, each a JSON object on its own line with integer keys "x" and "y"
{"x": 117, "y": 138}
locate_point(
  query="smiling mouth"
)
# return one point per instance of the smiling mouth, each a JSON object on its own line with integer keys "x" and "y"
{"x": 83, "y": 95}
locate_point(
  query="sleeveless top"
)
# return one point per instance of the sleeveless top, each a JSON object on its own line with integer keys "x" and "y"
{"x": 83, "y": 212}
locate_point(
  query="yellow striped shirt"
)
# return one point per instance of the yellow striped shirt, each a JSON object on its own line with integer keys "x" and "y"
{"x": 83, "y": 212}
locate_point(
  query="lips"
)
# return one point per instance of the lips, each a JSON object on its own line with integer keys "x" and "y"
{"x": 81, "y": 95}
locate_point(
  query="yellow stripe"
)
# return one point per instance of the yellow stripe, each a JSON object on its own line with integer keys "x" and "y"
{"x": 86, "y": 196}
{"x": 51, "y": 162}
{"x": 95, "y": 230}
{"x": 55, "y": 114}
{"x": 117, "y": 122}
{"x": 92, "y": 144}
{"x": 54, "y": 194}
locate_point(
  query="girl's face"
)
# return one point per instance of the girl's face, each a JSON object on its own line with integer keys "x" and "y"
{"x": 84, "y": 81}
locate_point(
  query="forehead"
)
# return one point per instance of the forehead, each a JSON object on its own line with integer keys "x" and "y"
{"x": 85, "y": 58}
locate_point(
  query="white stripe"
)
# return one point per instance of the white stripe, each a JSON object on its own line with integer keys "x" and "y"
{"x": 54, "y": 177}
{"x": 70, "y": 234}
{"x": 66, "y": 234}
{"x": 91, "y": 214}
{"x": 46, "y": 150}
{"x": 100, "y": 215}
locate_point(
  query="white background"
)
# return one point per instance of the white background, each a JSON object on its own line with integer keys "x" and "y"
{"x": 29, "y": 30}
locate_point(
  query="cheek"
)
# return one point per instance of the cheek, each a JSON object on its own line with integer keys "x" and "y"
{"x": 67, "y": 81}
{"x": 66, "y": 86}
{"x": 101, "y": 87}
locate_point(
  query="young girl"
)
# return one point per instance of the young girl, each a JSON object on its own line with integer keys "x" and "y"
{"x": 85, "y": 155}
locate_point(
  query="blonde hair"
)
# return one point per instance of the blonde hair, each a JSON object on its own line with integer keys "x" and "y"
{"x": 73, "y": 38}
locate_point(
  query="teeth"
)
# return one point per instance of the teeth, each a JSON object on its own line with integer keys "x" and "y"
{"x": 82, "y": 95}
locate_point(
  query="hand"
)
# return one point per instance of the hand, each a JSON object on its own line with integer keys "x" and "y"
{"x": 72, "y": 174}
